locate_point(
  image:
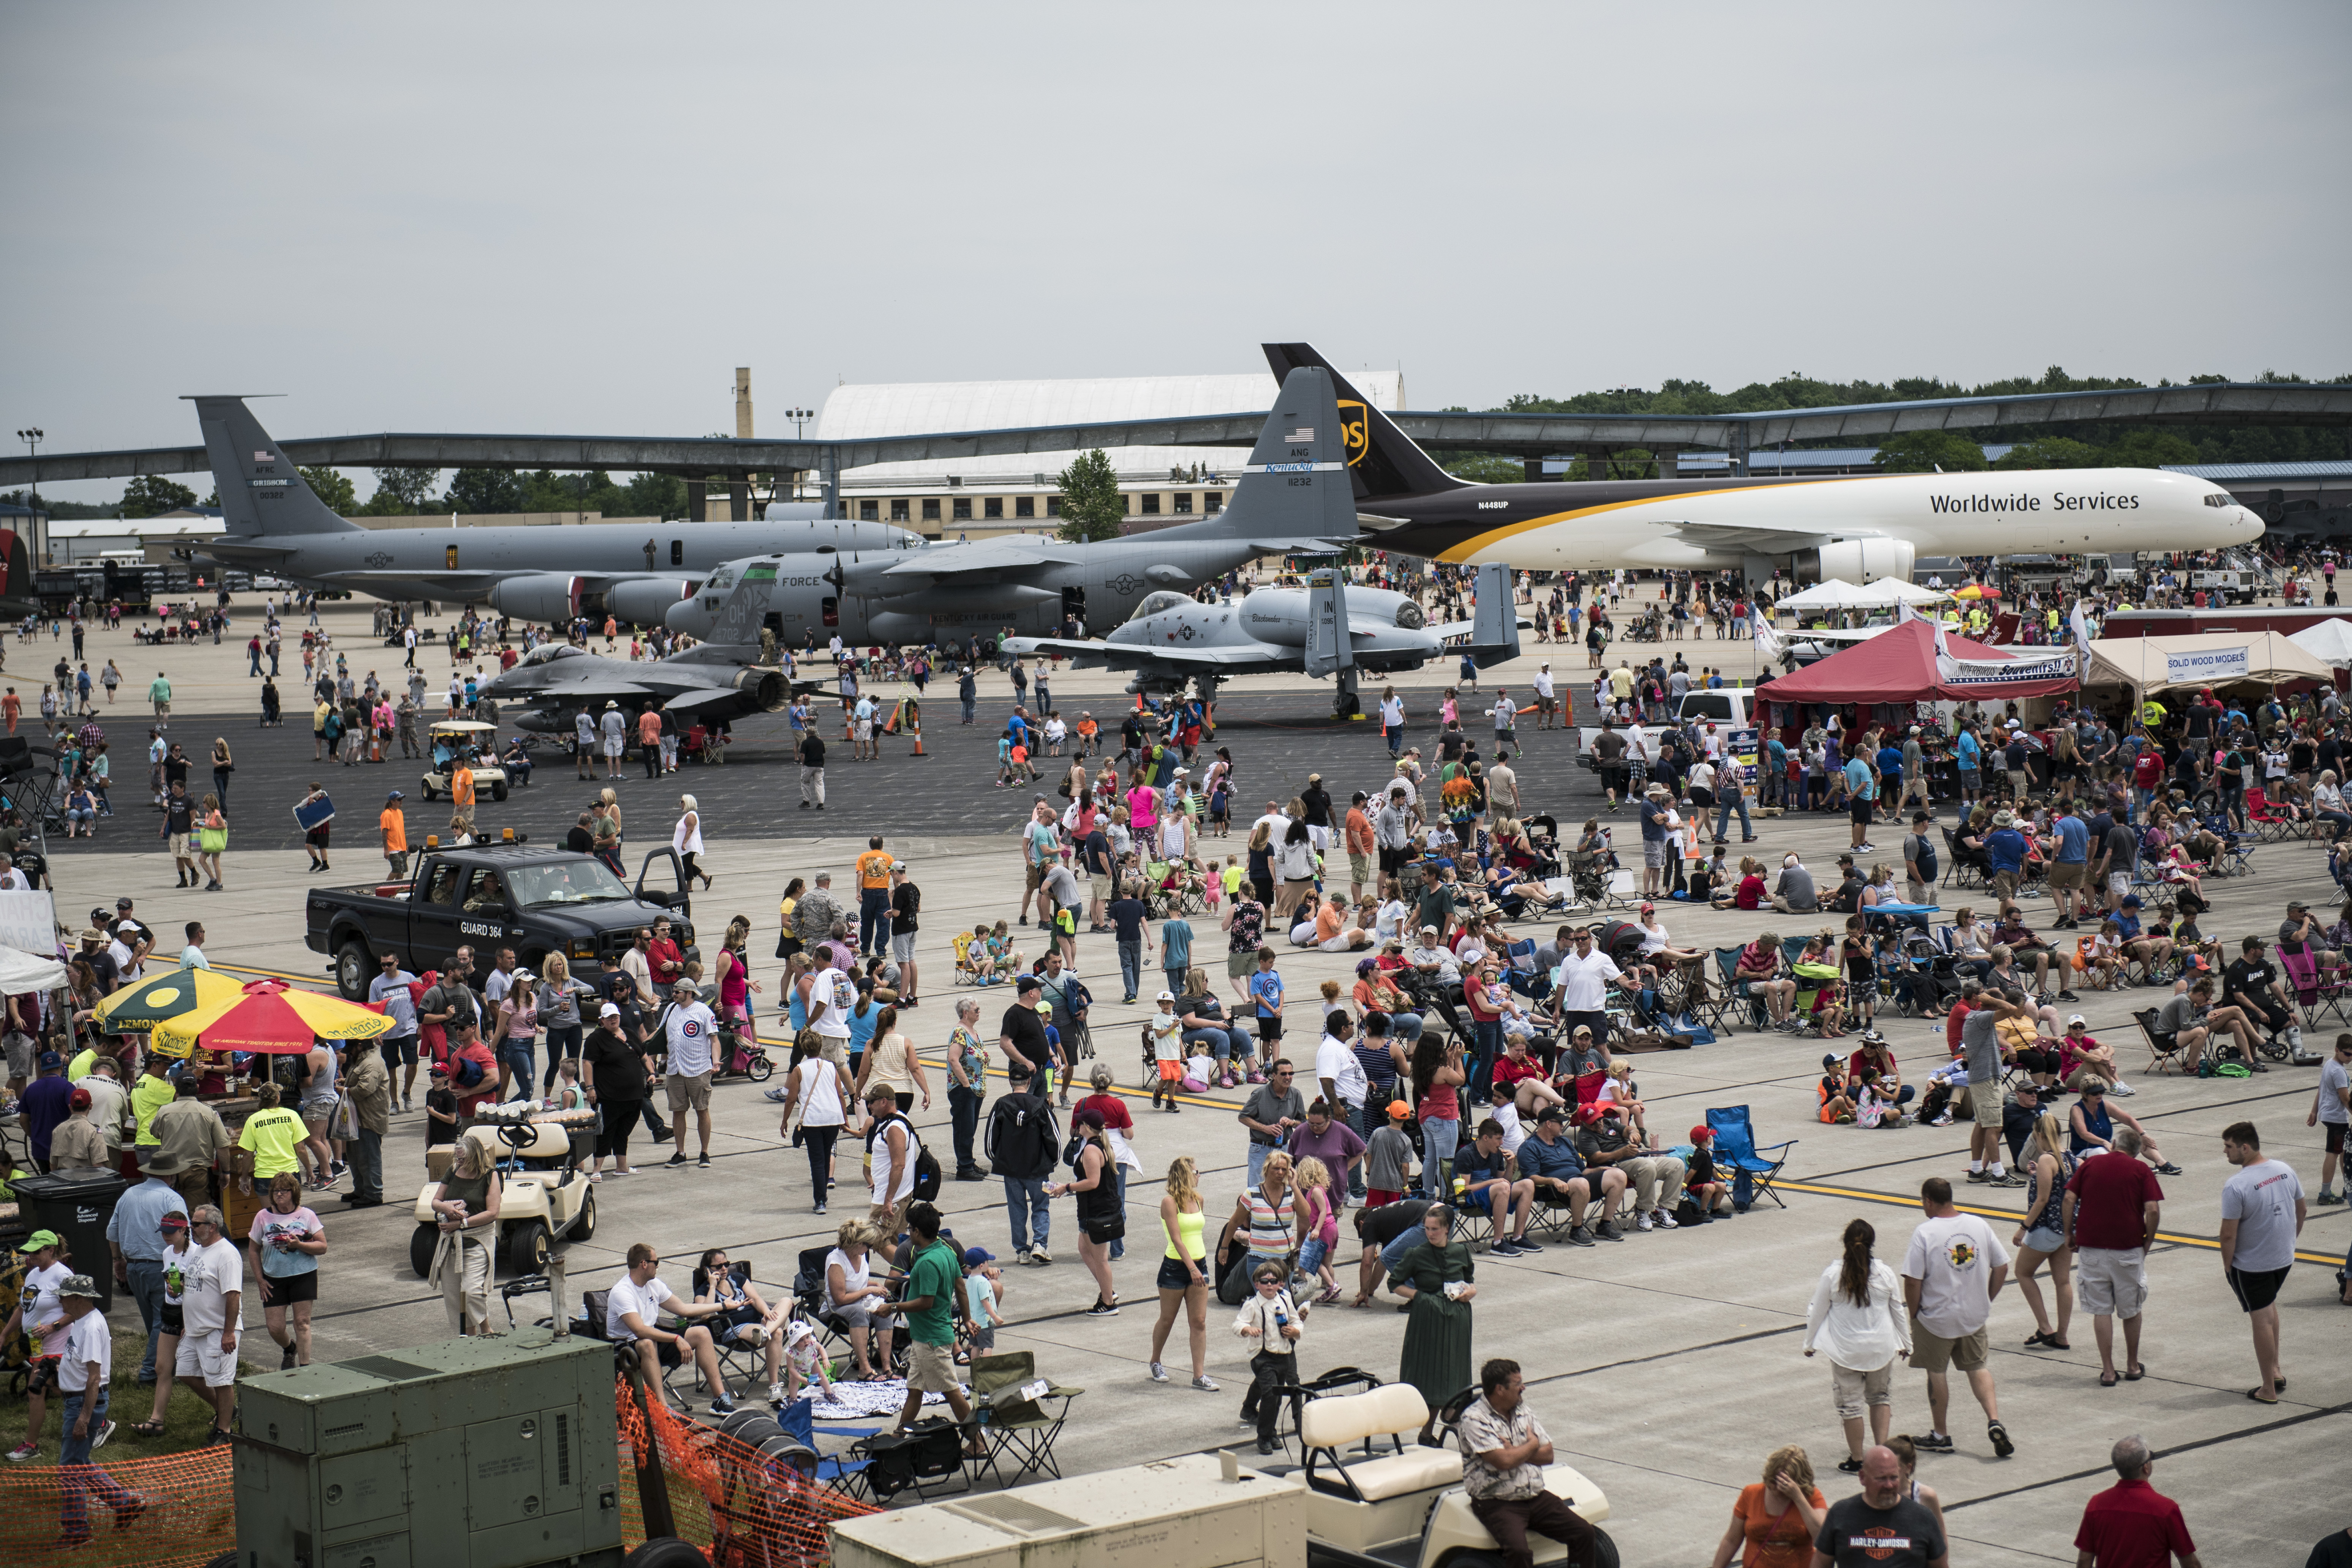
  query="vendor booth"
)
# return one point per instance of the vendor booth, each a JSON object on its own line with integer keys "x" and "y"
{"x": 1899, "y": 677}
{"x": 2151, "y": 665}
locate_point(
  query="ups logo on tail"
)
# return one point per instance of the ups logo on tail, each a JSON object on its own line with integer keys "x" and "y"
{"x": 1355, "y": 430}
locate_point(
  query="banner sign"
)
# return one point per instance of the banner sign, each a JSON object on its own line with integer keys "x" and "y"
{"x": 28, "y": 922}
{"x": 1956, "y": 671}
{"x": 2206, "y": 665}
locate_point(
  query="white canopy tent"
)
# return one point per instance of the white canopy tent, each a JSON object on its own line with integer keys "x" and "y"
{"x": 2330, "y": 641}
{"x": 2209, "y": 658}
{"x": 23, "y": 972}
{"x": 1898, "y": 591}
{"x": 1836, "y": 593}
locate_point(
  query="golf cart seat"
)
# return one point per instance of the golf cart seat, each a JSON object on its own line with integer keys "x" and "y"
{"x": 1327, "y": 1427}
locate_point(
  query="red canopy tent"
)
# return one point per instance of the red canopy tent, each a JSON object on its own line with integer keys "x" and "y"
{"x": 1899, "y": 666}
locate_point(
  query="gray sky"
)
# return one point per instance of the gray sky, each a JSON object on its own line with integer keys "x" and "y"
{"x": 581, "y": 219}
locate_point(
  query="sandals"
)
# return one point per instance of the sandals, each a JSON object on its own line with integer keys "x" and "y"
{"x": 2134, "y": 1373}
{"x": 2108, "y": 1380}
{"x": 145, "y": 1428}
{"x": 2255, "y": 1394}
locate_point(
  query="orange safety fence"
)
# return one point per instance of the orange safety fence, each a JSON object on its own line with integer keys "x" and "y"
{"x": 748, "y": 1509}
{"x": 189, "y": 1516}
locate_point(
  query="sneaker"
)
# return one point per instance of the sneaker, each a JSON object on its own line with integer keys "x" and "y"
{"x": 704, "y": 1162}
{"x": 2122, "y": 1089}
{"x": 22, "y": 1452}
{"x": 2068, "y": 997}
{"x": 819, "y": 1209}
{"x": 1040, "y": 1256}
{"x": 674, "y": 1161}
{"x": 2327, "y": 1198}
{"x": 106, "y": 1429}
{"x": 1943, "y": 1121}
{"x": 2001, "y": 1445}
{"x": 286, "y": 1360}
{"x": 1979, "y": 1176}
{"x": 1020, "y": 1256}
{"x": 1607, "y": 1231}
{"x": 1643, "y": 1224}
{"x": 1665, "y": 1220}
{"x": 1502, "y": 1248}
{"x": 1207, "y": 1385}
{"x": 2168, "y": 1169}
{"x": 1158, "y": 1372}
{"x": 1526, "y": 1243}
{"x": 775, "y": 1393}
{"x": 1267, "y": 1448}
{"x": 1933, "y": 1443}
{"x": 722, "y": 1405}
{"x": 407, "y": 1106}
{"x": 2009, "y": 1179}
{"x": 1102, "y": 1308}
{"x": 1579, "y": 1235}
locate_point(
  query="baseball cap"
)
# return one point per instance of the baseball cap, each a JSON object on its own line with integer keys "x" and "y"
{"x": 609, "y": 1010}
{"x": 39, "y": 1239}
{"x": 52, "y": 1061}
{"x": 1168, "y": 996}
{"x": 79, "y": 1100}
{"x": 2076, "y": 1018}
{"x": 973, "y": 1257}
{"x": 396, "y": 795}
{"x": 1701, "y": 1134}
{"x": 1584, "y": 1029}
{"x": 1586, "y": 1115}
{"x": 898, "y": 865}
{"x": 1046, "y": 1008}
{"x": 1399, "y": 1107}
{"x": 1548, "y": 1113}
{"x": 123, "y": 903}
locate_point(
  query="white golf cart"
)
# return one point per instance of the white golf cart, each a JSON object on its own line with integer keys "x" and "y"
{"x": 467, "y": 738}
{"x": 544, "y": 1193}
{"x": 1404, "y": 1507}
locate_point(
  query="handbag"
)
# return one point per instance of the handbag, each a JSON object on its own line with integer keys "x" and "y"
{"x": 212, "y": 840}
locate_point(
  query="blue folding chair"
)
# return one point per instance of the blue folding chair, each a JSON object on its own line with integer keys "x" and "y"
{"x": 1736, "y": 1151}
{"x": 798, "y": 1421}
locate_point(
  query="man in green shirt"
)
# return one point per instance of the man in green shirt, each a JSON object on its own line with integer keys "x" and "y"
{"x": 160, "y": 694}
{"x": 934, "y": 1298}
{"x": 149, "y": 1095}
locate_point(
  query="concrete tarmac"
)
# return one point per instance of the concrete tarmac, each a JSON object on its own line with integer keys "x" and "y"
{"x": 1667, "y": 1367}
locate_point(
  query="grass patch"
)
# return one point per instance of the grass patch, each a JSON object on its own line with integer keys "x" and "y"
{"x": 187, "y": 1417}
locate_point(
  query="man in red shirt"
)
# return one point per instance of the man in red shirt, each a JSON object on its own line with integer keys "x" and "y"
{"x": 2131, "y": 1524}
{"x": 2113, "y": 1204}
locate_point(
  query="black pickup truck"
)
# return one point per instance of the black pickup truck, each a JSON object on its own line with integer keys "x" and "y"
{"x": 536, "y": 901}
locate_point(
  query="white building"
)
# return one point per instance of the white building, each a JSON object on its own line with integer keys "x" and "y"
{"x": 978, "y": 496}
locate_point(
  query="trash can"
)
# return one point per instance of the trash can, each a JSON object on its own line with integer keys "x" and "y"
{"x": 76, "y": 1205}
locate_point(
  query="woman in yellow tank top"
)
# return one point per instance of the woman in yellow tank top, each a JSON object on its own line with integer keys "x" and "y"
{"x": 1183, "y": 1271}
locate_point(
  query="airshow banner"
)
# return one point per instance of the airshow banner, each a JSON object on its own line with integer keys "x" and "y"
{"x": 2198, "y": 666}
{"x": 1956, "y": 671}
{"x": 28, "y": 922}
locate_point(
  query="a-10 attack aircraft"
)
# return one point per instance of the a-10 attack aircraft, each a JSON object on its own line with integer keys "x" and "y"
{"x": 1174, "y": 640}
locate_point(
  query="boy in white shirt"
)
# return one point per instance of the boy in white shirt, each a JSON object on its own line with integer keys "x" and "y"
{"x": 1167, "y": 1052}
{"x": 1270, "y": 1320}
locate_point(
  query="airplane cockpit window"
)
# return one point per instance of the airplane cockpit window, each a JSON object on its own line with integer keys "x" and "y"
{"x": 2221, "y": 499}
{"x": 1163, "y": 600}
{"x": 721, "y": 581}
{"x": 1409, "y": 617}
{"x": 549, "y": 652}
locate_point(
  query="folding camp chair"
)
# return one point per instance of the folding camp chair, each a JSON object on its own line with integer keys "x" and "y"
{"x": 1020, "y": 1414}
{"x": 2271, "y": 821}
{"x": 2317, "y": 990}
{"x": 1963, "y": 867}
{"x": 797, "y": 1420}
{"x": 1473, "y": 1223}
{"x": 1735, "y": 1150}
{"x": 1726, "y": 964}
{"x": 2161, "y": 1051}
{"x": 590, "y": 1325}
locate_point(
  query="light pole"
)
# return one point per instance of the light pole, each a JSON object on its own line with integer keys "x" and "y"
{"x": 799, "y": 416}
{"x": 32, "y": 439}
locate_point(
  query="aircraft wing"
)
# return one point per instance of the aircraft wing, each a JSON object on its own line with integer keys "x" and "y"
{"x": 699, "y": 696}
{"x": 1243, "y": 660}
{"x": 1449, "y": 631}
{"x": 1728, "y": 537}
{"x": 989, "y": 555}
{"x": 587, "y": 686}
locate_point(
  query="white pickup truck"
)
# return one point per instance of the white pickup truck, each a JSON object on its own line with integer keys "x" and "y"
{"x": 1728, "y": 708}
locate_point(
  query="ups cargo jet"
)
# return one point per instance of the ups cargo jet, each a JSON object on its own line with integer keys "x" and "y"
{"x": 276, "y": 524}
{"x": 1859, "y": 528}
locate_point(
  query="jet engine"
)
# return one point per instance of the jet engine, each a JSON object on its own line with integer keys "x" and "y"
{"x": 768, "y": 687}
{"x": 643, "y": 601}
{"x": 1855, "y": 560}
{"x": 542, "y": 596}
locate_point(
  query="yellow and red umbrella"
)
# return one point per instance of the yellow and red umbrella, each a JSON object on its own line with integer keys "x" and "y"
{"x": 160, "y": 998}
{"x": 271, "y": 1017}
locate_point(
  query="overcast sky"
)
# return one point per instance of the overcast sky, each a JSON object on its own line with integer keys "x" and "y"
{"x": 581, "y": 219}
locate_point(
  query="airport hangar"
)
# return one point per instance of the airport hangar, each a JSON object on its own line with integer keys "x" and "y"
{"x": 974, "y": 459}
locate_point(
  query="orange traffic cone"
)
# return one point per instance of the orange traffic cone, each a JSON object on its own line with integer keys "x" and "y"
{"x": 915, "y": 726}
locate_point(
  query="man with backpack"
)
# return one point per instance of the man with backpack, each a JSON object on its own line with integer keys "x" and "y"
{"x": 1022, "y": 1144}
{"x": 903, "y": 1170}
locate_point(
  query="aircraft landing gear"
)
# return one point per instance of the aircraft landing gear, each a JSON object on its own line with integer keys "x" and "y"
{"x": 1347, "y": 703}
